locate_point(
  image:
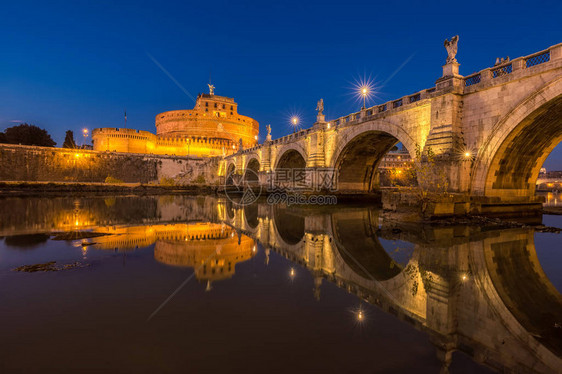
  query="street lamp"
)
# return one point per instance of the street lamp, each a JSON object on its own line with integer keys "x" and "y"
{"x": 295, "y": 122}
{"x": 85, "y": 133}
{"x": 364, "y": 93}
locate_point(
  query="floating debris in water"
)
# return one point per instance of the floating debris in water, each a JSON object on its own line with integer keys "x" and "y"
{"x": 49, "y": 266}
{"x": 74, "y": 235}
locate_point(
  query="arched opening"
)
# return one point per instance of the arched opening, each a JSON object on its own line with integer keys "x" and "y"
{"x": 289, "y": 226}
{"x": 252, "y": 170}
{"x": 358, "y": 161}
{"x": 524, "y": 288}
{"x": 251, "y": 214}
{"x": 516, "y": 164}
{"x": 291, "y": 159}
{"x": 359, "y": 246}
{"x": 229, "y": 174}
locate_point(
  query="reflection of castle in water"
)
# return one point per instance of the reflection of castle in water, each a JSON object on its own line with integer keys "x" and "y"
{"x": 480, "y": 292}
{"x": 212, "y": 249}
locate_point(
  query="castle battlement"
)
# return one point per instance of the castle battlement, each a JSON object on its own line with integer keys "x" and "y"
{"x": 212, "y": 128}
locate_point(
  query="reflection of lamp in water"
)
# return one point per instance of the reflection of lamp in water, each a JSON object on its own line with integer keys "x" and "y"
{"x": 292, "y": 273}
{"x": 267, "y": 251}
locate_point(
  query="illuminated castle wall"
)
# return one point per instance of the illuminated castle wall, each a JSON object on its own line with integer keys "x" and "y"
{"x": 211, "y": 249}
{"x": 212, "y": 128}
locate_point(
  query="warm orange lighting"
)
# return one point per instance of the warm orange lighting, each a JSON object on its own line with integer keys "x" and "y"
{"x": 467, "y": 154}
{"x": 295, "y": 120}
{"x": 360, "y": 316}
{"x": 292, "y": 272}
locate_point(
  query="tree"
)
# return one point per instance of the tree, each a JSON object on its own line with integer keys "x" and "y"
{"x": 2, "y": 137}
{"x": 28, "y": 135}
{"x": 69, "y": 140}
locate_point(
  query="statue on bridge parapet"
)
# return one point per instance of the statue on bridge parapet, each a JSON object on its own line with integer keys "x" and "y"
{"x": 451, "y": 47}
{"x": 320, "y": 108}
{"x": 451, "y": 68}
{"x": 268, "y": 137}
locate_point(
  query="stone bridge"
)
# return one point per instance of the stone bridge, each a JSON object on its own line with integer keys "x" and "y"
{"x": 490, "y": 132}
{"x": 480, "y": 292}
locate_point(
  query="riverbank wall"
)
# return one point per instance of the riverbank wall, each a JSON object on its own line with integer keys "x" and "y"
{"x": 46, "y": 164}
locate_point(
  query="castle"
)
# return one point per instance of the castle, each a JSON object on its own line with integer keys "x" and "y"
{"x": 212, "y": 128}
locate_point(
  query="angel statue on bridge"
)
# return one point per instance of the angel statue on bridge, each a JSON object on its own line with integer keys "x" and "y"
{"x": 451, "y": 47}
{"x": 320, "y": 106}
{"x": 268, "y": 137}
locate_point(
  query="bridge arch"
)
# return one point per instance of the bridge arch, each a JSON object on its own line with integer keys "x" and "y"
{"x": 509, "y": 161}
{"x": 357, "y": 244}
{"x": 360, "y": 150}
{"x": 251, "y": 216}
{"x": 292, "y": 157}
{"x": 230, "y": 170}
{"x": 290, "y": 227}
{"x": 252, "y": 169}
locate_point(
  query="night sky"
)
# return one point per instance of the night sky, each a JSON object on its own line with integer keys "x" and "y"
{"x": 70, "y": 65}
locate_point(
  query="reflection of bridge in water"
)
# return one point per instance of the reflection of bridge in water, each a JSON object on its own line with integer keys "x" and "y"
{"x": 480, "y": 292}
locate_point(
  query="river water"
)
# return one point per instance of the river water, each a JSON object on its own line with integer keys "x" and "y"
{"x": 175, "y": 284}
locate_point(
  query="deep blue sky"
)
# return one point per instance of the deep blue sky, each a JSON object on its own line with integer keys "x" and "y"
{"x": 69, "y": 65}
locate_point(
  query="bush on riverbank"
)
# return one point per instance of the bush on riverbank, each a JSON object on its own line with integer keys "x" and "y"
{"x": 113, "y": 180}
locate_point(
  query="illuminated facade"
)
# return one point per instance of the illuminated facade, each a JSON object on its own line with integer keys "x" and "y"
{"x": 211, "y": 249}
{"x": 212, "y": 128}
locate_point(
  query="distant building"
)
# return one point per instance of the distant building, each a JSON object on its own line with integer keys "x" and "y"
{"x": 396, "y": 160}
{"x": 212, "y": 128}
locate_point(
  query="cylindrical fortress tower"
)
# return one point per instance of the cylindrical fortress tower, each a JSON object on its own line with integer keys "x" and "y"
{"x": 214, "y": 117}
{"x": 212, "y": 128}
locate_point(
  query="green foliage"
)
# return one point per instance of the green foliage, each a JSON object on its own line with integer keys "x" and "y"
{"x": 69, "y": 140}
{"x": 200, "y": 179}
{"x": 111, "y": 179}
{"x": 26, "y": 134}
{"x": 164, "y": 181}
{"x": 432, "y": 178}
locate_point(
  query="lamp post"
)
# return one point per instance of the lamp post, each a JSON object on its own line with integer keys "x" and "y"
{"x": 364, "y": 93}
{"x": 295, "y": 122}
{"x": 85, "y": 133}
